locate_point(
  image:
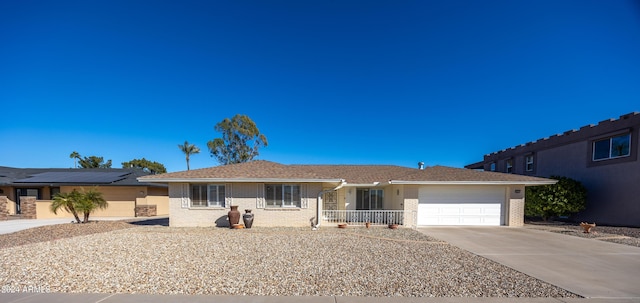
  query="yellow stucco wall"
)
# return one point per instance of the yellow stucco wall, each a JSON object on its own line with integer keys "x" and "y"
{"x": 115, "y": 209}
{"x": 121, "y": 200}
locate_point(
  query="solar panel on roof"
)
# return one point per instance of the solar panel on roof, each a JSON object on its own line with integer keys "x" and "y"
{"x": 75, "y": 177}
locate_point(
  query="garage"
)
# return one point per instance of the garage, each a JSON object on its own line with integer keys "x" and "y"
{"x": 461, "y": 205}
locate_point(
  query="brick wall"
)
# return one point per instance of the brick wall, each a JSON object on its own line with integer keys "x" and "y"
{"x": 3, "y": 207}
{"x": 146, "y": 210}
{"x": 515, "y": 206}
{"x": 245, "y": 195}
{"x": 28, "y": 207}
{"x": 516, "y": 212}
{"x": 411, "y": 206}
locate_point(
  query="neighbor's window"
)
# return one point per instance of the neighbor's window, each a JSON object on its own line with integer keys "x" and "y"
{"x": 54, "y": 191}
{"x": 610, "y": 148}
{"x": 528, "y": 162}
{"x": 492, "y": 166}
{"x": 207, "y": 195}
{"x": 282, "y": 195}
{"x": 509, "y": 168}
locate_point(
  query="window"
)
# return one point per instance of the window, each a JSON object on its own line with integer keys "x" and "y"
{"x": 282, "y": 195}
{"x": 528, "y": 163}
{"x": 369, "y": 199}
{"x": 509, "y": 166}
{"x": 54, "y": 191}
{"x": 611, "y": 148}
{"x": 492, "y": 166}
{"x": 207, "y": 195}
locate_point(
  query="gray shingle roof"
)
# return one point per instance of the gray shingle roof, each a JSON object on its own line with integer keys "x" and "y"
{"x": 352, "y": 174}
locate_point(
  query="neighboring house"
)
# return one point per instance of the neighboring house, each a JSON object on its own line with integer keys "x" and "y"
{"x": 126, "y": 196}
{"x": 295, "y": 195}
{"x": 604, "y": 157}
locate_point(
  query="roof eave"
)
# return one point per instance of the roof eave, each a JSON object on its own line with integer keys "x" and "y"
{"x": 237, "y": 180}
{"x": 527, "y": 183}
{"x": 363, "y": 184}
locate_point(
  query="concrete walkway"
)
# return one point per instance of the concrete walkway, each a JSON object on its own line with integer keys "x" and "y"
{"x": 588, "y": 267}
{"x": 128, "y": 298}
{"x": 10, "y": 226}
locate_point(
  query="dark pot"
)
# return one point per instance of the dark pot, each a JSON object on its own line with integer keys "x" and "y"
{"x": 234, "y": 216}
{"x": 247, "y": 218}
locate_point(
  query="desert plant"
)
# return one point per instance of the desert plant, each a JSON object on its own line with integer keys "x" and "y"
{"x": 91, "y": 200}
{"x": 68, "y": 202}
{"x": 79, "y": 201}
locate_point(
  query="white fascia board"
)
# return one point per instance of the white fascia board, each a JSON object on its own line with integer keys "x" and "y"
{"x": 363, "y": 184}
{"x": 237, "y": 180}
{"x": 526, "y": 183}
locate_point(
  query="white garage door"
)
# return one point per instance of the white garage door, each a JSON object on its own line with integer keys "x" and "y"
{"x": 460, "y": 205}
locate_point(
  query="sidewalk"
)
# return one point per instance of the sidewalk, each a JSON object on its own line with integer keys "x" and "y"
{"x": 128, "y": 298}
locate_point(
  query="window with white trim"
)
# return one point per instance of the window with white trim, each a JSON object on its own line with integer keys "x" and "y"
{"x": 611, "y": 148}
{"x": 207, "y": 195}
{"x": 369, "y": 199}
{"x": 282, "y": 195}
{"x": 492, "y": 166}
{"x": 509, "y": 166}
{"x": 528, "y": 162}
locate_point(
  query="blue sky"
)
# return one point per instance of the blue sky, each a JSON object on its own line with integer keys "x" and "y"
{"x": 362, "y": 82}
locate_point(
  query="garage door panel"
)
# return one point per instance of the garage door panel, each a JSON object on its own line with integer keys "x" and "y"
{"x": 460, "y": 205}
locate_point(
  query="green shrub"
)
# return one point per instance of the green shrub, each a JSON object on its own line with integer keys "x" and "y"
{"x": 564, "y": 198}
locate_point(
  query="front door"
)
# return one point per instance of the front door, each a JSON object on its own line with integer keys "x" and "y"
{"x": 21, "y": 192}
{"x": 369, "y": 199}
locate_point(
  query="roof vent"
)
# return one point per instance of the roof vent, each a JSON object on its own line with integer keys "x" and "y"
{"x": 421, "y": 165}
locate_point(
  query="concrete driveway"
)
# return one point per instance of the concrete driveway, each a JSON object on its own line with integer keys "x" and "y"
{"x": 588, "y": 267}
{"x": 10, "y": 226}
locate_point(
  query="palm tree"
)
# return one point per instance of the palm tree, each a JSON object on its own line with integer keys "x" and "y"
{"x": 75, "y": 156}
{"x": 91, "y": 200}
{"x": 188, "y": 150}
{"x": 67, "y": 202}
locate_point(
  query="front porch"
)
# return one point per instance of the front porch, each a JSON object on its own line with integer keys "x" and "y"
{"x": 375, "y": 217}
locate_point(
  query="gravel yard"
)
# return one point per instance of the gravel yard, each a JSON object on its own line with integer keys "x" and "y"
{"x": 621, "y": 235}
{"x": 263, "y": 261}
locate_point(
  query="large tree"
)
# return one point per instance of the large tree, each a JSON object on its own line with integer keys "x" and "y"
{"x": 240, "y": 140}
{"x": 146, "y": 165}
{"x": 564, "y": 198}
{"x": 188, "y": 150}
{"x": 91, "y": 161}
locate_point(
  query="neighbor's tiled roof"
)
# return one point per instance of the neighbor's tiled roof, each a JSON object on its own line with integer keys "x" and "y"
{"x": 353, "y": 174}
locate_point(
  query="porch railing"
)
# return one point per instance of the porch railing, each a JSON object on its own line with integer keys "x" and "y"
{"x": 360, "y": 217}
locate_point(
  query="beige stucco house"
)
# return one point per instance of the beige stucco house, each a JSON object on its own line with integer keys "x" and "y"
{"x": 296, "y": 195}
{"x": 28, "y": 192}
